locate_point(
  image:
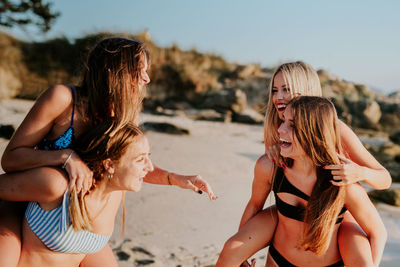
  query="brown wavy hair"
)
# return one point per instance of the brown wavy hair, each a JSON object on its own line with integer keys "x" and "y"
{"x": 93, "y": 147}
{"x": 110, "y": 82}
{"x": 302, "y": 79}
{"x": 316, "y": 128}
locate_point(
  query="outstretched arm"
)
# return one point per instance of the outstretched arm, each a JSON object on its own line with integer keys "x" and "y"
{"x": 192, "y": 182}
{"x": 263, "y": 171}
{"x": 363, "y": 166}
{"x": 258, "y": 230}
{"x": 361, "y": 207}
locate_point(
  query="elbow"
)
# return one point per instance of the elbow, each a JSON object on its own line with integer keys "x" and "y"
{"x": 7, "y": 163}
{"x": 55, "y": 183}
{"x": 388, "y": 180}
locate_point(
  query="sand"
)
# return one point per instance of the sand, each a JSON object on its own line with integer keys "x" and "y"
{"x": 168, "y": 226}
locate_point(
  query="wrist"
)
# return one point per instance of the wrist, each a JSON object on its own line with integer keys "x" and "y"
{"x": 67, "y": 159}
{"x": 170, "y": 180}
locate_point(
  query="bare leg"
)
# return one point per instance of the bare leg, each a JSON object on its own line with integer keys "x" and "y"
{"x": 256, "y": 234}
{"x": 39, "y": 184}
{"x": 11, "y": 214}
{"x": 103, "y": 258}
{"x": 354, "y": 245}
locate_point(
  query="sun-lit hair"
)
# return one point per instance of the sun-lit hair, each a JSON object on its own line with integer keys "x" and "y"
{"x": 302, "y": 79}
{"x": 110, "y": 83}
{"x": 315, "y": 124}
{"x": 94, "y": 147}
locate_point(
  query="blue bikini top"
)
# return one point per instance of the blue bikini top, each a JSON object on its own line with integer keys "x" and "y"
{"x": 64, "y": 141}
{"x": 283, "y": 185}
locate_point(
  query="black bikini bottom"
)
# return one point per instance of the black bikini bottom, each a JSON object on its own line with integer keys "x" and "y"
{"x": 282, "y": 262}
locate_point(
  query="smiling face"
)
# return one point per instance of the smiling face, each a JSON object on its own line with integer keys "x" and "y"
{"x": 290, "y": 145}
{"x": 133, "y": 166}
{"x": 281, "y": 94}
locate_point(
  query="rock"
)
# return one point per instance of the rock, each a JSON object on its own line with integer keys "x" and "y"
{"x": 248, "y": 116}
{"x": 395, "y": 137}
{"x": 372, "y": 112}
{"x": 6, "y": 131}
{"x": 388, "y": 196}
{"x": 164, "y": 127}
{"x": 210, "y": 115}
{"x": 234, "y": 100}
{"x": 10, "y": 85}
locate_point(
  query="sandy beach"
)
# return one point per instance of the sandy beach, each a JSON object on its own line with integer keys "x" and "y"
{"x": 168, "y": 226}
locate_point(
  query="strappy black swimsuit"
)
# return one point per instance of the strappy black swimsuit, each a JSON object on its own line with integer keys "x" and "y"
{"x": 282, "y": 184}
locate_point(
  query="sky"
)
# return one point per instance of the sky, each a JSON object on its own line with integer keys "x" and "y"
{"x": 356, "y": 40}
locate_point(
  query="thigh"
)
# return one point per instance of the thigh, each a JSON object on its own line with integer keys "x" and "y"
{"x": 44, "y": 184}
{"x": 11, "y": 215}
{"x": 354, "y": 245}
{"x": 103, "y": 258}
{"x": 256, "y": 234}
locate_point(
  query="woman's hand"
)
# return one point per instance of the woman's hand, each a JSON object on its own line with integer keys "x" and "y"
{"x": 193, "y": 182}
{"x": 80, "y": 176}
{"x": 346, "y": 173}
{"x": 274, "y": 154}
{"x": 246, "y": 263}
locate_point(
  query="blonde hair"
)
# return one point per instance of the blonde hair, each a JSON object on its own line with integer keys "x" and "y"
{"x": 110, "y": 83}
{"x": 302, "y": 79}
{"x": 316, "y": 127}
{"x": 94, "y": 147}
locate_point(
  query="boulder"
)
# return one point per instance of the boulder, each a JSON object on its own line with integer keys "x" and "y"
{"x": 249, "y": 116}
{"x": 164, "y": 127}
{"x": 395, "y": 137}
{"x": 209, "y": 115}
{"x": 372, "y": 112}
{"x": 6, "y": 131}
{"x": 388, "y": 196}
{"x": 234, "y": 100}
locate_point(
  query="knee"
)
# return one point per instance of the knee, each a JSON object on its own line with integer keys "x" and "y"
{"x": 229, "y": 255}
{"x": 55, "y": 182}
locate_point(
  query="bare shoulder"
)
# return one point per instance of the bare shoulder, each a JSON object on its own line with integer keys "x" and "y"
{"x": 59, "y": 94}
{"x": 264, "y": 167}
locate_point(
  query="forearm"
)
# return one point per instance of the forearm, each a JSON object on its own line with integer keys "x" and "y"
{"x": 249, "y": 212}
{"x": 24, "y": 158}
{"x": 377, "y": 246}
{"x": 378, "y": 179}
{"x": 158, "y": 176}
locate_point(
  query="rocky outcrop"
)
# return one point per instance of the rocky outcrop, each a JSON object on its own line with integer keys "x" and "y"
{"x": 164, "y": 127}
{"x": 389, "y": 196}
{"x": 6, "y": 131}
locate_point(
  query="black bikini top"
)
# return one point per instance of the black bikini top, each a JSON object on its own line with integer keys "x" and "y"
{"x": 283, "y": 185}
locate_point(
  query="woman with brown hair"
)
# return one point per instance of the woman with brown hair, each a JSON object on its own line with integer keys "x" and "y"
{"x": 112, "y": 87}
{"x": 309, "y": 207}
{"x": 60, "y": 228}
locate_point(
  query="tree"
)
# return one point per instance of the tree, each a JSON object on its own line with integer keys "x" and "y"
{"x": 24, "y": 12}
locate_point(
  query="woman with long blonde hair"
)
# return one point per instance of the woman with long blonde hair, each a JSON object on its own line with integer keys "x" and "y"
{"x": 290, "y": 80}
{"x": 309, "y": 207}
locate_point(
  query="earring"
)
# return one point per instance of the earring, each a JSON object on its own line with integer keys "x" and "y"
{"x": 109, "y": 176}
